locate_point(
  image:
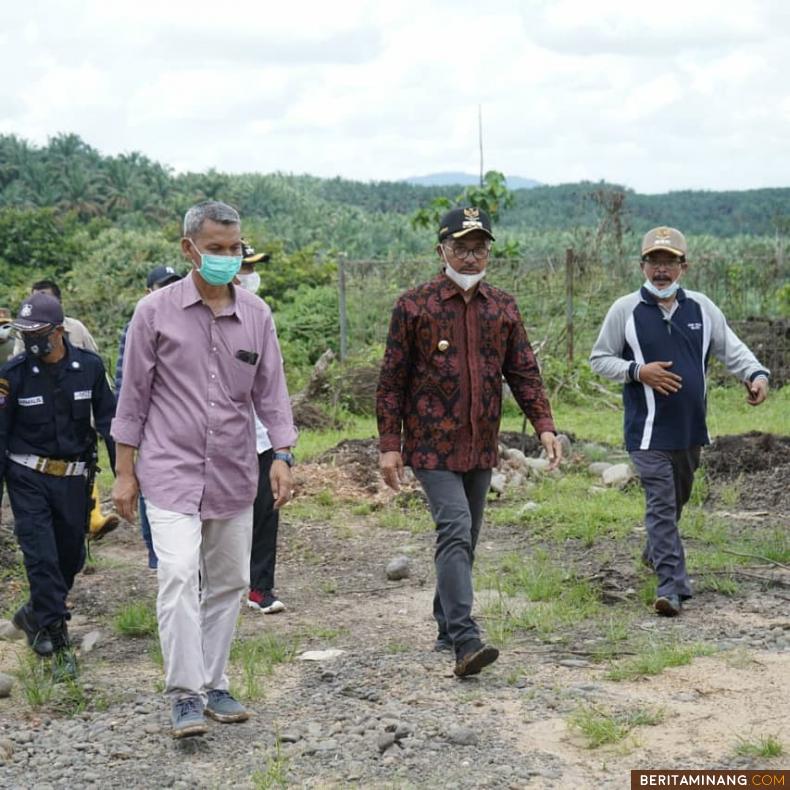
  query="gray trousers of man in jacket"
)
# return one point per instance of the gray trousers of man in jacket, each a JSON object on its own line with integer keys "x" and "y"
{"x": 667, "y": 478}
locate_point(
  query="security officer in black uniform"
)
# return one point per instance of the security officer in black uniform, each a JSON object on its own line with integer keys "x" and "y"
{"x": 47, "y": 444}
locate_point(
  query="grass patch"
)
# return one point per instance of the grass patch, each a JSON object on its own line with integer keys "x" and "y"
{"x": 567, "y": 510}
{"x": 35, "y": 679}
{"x": 324, "y": 633}
{"x": 136, "y": 619}
{"x": 155, "y": 653}
{"x": 551, "y": 597}
{"x": 655, "y": 658}
{"x": 766, "y": 746}
{"x": 405, "y": 519}
{"x": 275, "y": 772}
{"x": 728, "y": 413}
{"x": 600, "y": 727}
{"x": 67, "y": 698}
{"x": 313, "y": 443}
{"x": 257, "y": 657}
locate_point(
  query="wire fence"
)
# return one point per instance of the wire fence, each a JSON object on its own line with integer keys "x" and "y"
{"x": 562, "y": 298}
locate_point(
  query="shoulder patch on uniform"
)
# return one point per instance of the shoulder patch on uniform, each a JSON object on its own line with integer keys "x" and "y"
{"x": 5, "y": 387}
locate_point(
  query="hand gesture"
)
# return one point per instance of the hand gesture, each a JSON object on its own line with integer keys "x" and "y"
{"x": 758, "y": 391}
{"x": 125, "y": 493}
{"x": 282, "y": 483}
{"x": 658, "y": 376}
{"x": 552, "y": 447}
{"x": 391, "y": 465}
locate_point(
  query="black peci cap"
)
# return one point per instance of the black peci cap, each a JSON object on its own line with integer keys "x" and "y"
{"x": 459, "y": 221}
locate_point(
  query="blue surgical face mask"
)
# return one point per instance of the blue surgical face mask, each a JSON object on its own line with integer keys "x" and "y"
{"x": 662, "y": 293}
{"x": 217, "y": 269}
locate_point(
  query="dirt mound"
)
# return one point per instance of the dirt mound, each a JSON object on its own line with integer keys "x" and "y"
{"x": 769, "y": 490}
{"x": 360, "y": 460}
{"x": 770, "y": 341}
{"x": 731, "y": 456}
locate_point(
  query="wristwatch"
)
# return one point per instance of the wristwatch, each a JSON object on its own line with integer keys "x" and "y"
{"x": 287, "y": 457}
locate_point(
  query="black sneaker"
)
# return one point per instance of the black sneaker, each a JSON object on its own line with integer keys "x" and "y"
{"x": 472, "y": 656}
{"x": 668, "y": 605}
{"x": 37, "y": 638}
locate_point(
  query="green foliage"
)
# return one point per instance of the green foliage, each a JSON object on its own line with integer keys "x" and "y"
{"x": 307, "y": 324}
{"x": 257, "y": 657}
{"x": 601, "y": 727}
{"x": 765, "y": 746}
{"x": 492, "y": 196}
{"x": 655, "y": 658}
{"x": 136, "y": 619}
{"x": 275, "y": 772}
{"x": 35, "y": 244}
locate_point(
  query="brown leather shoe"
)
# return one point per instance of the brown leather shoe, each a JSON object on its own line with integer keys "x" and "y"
{"x": 472, "y": 659}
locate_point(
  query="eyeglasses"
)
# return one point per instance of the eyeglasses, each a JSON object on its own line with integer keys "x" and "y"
{"x": 676, "y": 264}
{"x": 461, "y": 252}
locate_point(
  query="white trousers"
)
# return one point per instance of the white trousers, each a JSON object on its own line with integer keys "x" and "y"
{"x": 204, "y": 569}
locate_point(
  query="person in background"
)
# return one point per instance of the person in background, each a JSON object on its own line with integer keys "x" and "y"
{"x": 50, "y": 395}
{"x": 76, "y": 332}
{"x": 200, "y": 356}
{"x": 656, "y": 341}
{"x": 158, "y": 277}
{"x": 439, "y": 403}
{"x": 78, "y": 335}
{"x": 7, "y": 337}
{"x": 265, "y": 518}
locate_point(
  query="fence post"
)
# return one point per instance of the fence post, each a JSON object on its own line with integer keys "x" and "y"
{"x": 569, "y": 303}
{"x": 341, "y": 298}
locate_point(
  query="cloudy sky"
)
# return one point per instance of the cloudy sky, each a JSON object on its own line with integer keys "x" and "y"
{"x": 657, "y": 96}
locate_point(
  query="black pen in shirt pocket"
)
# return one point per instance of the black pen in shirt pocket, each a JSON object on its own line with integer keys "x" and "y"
{"x": 250, "y": 357}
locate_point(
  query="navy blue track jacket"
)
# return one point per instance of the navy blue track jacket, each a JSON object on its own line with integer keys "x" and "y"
{"x": 637, "y": 331}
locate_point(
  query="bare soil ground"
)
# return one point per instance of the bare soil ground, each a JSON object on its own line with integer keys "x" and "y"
{"x": 336, "y": 718}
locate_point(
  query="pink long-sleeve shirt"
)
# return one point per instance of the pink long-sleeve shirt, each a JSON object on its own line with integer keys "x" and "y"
{"x": 190, "y": 383}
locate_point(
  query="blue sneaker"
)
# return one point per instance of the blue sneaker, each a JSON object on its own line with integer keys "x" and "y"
{"x": 187, "y": 717}
{"x": 222, "y": 707}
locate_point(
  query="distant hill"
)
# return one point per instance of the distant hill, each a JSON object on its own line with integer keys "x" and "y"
{"x": 466, "y": 179}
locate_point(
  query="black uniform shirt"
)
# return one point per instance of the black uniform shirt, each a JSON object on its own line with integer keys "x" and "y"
{"x": 45, "y": 410}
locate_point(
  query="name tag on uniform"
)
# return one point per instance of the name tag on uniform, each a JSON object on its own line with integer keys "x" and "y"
{"x": 37, "y": 400}
{"x": 82, "y": 395}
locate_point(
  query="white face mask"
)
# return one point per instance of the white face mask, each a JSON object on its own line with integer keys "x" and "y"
{"x": 463, "y": 281}
{"x": 662, "y": 293}
{"x": 250, "y": 282}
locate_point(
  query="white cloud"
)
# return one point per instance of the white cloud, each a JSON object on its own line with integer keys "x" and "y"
{"x": 655, "y": 97}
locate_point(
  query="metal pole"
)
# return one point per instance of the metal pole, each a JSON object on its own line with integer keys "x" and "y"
{"x": 569, "y": 302}
{"x": 341, "y": 298}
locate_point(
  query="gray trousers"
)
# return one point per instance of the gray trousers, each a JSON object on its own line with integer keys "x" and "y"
{"x": 457, "y": 500}
{"x": 667, "y": 477}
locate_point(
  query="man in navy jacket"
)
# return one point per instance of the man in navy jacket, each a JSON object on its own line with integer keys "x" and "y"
{"x": 657, "y": 342}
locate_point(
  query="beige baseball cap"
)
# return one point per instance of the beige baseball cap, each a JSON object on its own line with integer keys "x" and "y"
{"x": 663, "y": 238}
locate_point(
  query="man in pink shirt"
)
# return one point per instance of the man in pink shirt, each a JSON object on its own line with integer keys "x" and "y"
{"x": 201, "y": 356}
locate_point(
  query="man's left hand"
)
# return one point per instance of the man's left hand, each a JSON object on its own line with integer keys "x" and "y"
{"x": 758, "y": 391}
{"x": 282, "y": 483}
{"x": 552, "y": 447}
